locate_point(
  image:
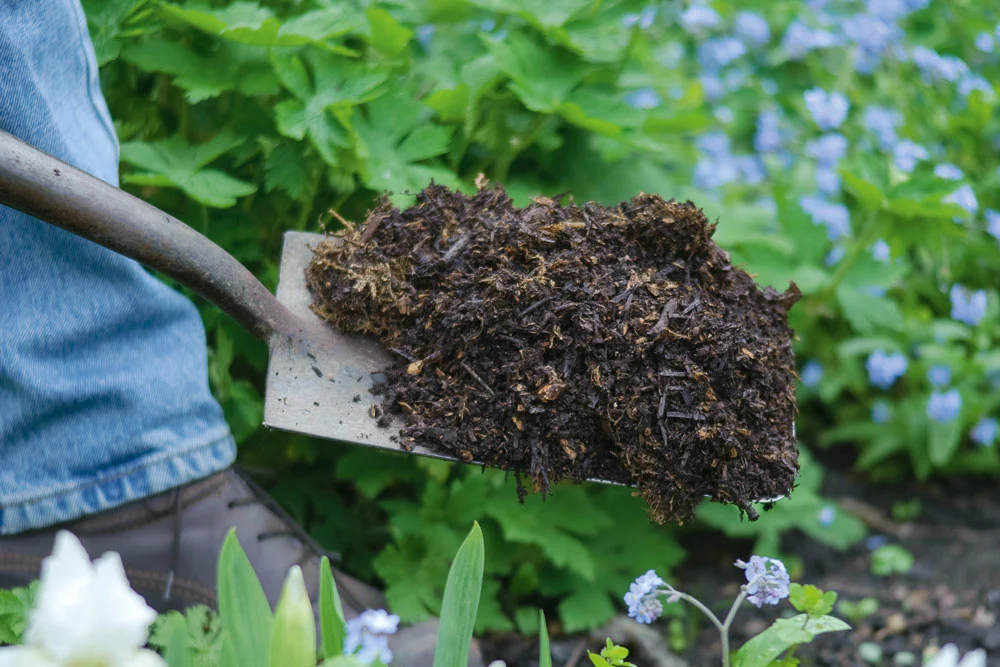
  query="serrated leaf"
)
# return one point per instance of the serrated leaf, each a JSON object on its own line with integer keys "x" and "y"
{"x": 541, "y": 76}
{"x": 285, "y": 169}
{"x": 386, "y": 33}
{"x": 520, "y": 524}
{"x": 104, "y": 21}
{"x": 587, "y": 607}
{"x": 543, "y": 15}
{"x": 867, "y": 312}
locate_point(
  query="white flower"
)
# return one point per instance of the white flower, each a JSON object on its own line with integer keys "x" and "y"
{"x": 948, "y": 657}
{"x": 85, "y": 615}
{"x": 370, "y": 632}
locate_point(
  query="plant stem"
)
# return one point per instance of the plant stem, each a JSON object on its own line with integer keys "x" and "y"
{"x": 722, "y": 626}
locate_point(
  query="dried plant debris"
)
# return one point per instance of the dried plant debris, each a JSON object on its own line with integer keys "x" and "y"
{"x": 578, "y": 342}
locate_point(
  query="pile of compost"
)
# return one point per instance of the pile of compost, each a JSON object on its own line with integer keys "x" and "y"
{"x": 573, "y": 342}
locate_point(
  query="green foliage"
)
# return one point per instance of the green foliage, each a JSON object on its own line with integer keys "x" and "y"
{"x": 14, "y": 606}
{"x": 857, "y": 611}
{"x": 331, "y": 613}
{"x": 461, "y": 602}
{"x": 783, "y": 634}
{"x": 544, "y": 652}
{"x": 891, "y": 559}
{"x": 243, "y": 607}
{"x": 202, "y": 632}
{"x": 611, "y": 655}
{"x": 811, "y": 600}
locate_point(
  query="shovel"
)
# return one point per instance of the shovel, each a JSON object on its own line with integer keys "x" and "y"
{"x": 318, "y": 379}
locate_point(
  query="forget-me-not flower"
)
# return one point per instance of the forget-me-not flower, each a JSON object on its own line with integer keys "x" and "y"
{"x": 881, "y": 252}
{"x": 936, "y": 67}
{"x": 643, "y": 597}
{"x": 800, "y": 39}
{"x": 944, "y": 406}
{"x": 884, "y": 369}
{"x": 827, "y": 515}
{"x": 939, "y": 375}
{"x": 964, "y": 197}
{"x": 752, "y": 28}
{"x": 812, "y": 373}
{"x": 835, "y": 217}
{"x": 699, "y": 19}
{"x": 768, "y": 138}
{"x": 881, "y": 412}
{"x": 716, "y": 53}
{"x": 643, "y": 98}
{"x": 827, "y": 180}
{"x": 972, "y": 82}
{"x": 966, "y": 306}
{"x": 907, "y": 153}
{"x": 370, "y": 633}
{"x": 828, "y": 149}
{"x": 873, "y": 35}
{"x": 948, "y": 172}
{"x": 882, "y": 122}
{"x": 984, "y": 42}
{"x": 993, "y": 223}
{"x": 642, "y": 20}
{"x": 828, "y": 109}
{"x": 984, "y": 433}
{"x": 767, "y": 580}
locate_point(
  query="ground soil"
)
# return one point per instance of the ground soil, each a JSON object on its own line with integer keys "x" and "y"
{"x": 952, "y": 594}
{"x": 562, "y": 341}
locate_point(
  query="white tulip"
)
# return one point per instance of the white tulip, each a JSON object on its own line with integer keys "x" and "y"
{"x": 85, "y": 615}
{"x": 948, "y": 657}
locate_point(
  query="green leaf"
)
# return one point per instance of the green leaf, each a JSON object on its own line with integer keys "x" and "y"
{"x": 541, "y": 76}
{"x": 943, "y": 440}
{"x": 178, "y": 651}
{"x": 175, "y": 163}
{"x": 784, "y": 633}
{"x": 811, "y": 600}
{"x": 202, "y": 633}
{"x": 911, "y": 209}
{"x": 228, "y": 657}
{"x": 542, "y": 15}
{"x": 587, "y": 607}
{"x": 386, "y": 33}
{"x": 246, "y": 614}
{"x": 544, "y": 652}
{"x": 293, "y": 637}
{"x": 597, "y": 660}
{"x": 891, "y": 559}
{"x": 104, "y": 21}
{"x": 15, "y": 605}
{"x": 867, "y": 195}
{"x": 461, "y": 600}
{"x": 867, "y": 312}
{"x": 331, "y": 612}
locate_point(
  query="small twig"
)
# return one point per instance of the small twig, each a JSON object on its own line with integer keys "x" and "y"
{"x": 661, "y": 323}
{"x": 577, "y": 653}
{"x": 685, "y": 415}
{"x": 370, "y": 229}
{"x": 478, "y": 379}
{"x": 536, "y": 305}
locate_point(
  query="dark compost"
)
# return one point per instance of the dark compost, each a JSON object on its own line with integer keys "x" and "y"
{"x": 573, "y": 342}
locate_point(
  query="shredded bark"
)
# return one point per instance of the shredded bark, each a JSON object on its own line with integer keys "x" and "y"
{"x": 574, "y": 342}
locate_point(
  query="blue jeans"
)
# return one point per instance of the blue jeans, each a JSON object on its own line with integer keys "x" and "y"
{"x": 104, "y": 394}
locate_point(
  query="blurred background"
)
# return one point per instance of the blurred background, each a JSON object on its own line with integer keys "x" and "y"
{"x": 848, "y": 146}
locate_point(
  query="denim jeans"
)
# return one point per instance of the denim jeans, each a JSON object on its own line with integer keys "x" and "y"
{"x": 104, "y": 394}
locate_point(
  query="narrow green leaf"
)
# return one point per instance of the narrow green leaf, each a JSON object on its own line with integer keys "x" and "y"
{"x": 544, "y": 652}
{"x": 227, "y": 653}
{"x": 246, "y": 614}
{"x": 943, "y": 440}
{"x": 331, "y": 612}
{"x": 461, "y": 600}
{"x": 178, "y": 652}
{"x": 868, "y": 196}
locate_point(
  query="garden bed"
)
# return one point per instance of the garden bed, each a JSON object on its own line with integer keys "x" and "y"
{"x": 581, "y": 342}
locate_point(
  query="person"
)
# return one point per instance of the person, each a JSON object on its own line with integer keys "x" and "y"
{"x": 107, "y": 425}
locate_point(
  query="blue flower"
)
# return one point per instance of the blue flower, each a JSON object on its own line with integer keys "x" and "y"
{"x": 984, "y": 433}
{"x": 984, "y": 42}
{"x": 993, "y": 223}
{"x": 812, "y": 373}
{"x": 884, "y": 369}
{"x": 939, "y": 375}
{"x": 643, "y": 98}
{"x": 827, "y": 180}
{"x": 881, "y": 412}
{"x": 835, "y": 255}
{"x": 906, "y": 154}
{"x": 716, "y": 53}
{"x": 828, "y": 150}
{"x": 800, "y": 39}
{"x": 948, "y": 172}
{"x": 724, "y": 115}
{"x": 752, "y": 28}
{"x": 698, "y": 19}
{"x": 936, "y": 67}
{"x": 873, "y": 542}
{"x": 767, "y": 580}
{"x": 943, "y": 407}
{"x": 769, "y": 137}
{"x": 835, "y": 217}
{"x": 642, "y": 597}
{"x": 888, "y": 9}
{"x": 644, "y": 20}
{"x": 964, "y": 197}
{"x": 881, "y": 252}
{"x": 827, "y": 515}
{"x": 714, "y": 144}
{"x": 972, "y": 82}
{"x": 882, "y": 122}
{"x": 873, "y": 35}
{"x": 967, "y": 307}
{"x": 828, "y": 109}
{"x": 425, "y": 35}
{"x": 370, "y": 632}
{"x": 712, "y": 86}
